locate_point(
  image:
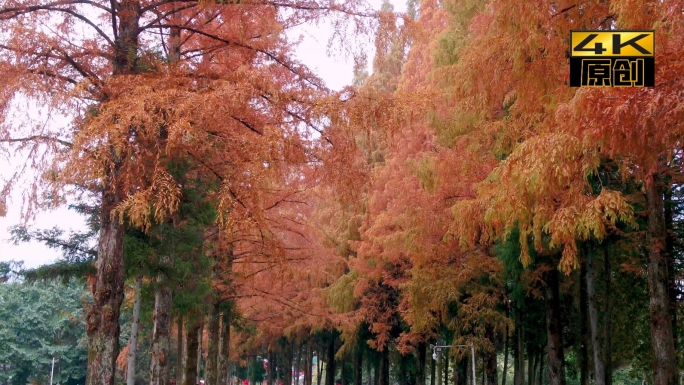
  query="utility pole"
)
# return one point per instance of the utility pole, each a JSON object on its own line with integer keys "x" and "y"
{"x": 52, "y": 371}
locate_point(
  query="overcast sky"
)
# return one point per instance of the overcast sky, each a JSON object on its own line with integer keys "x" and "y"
{"x": 336, "y": 71}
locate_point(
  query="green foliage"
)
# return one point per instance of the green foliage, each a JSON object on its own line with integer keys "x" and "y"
{"x": 39, "y": 321}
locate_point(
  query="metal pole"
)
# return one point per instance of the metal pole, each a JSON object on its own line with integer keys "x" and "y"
{"x": 472, "y": 354}
{"x": 52, "y": 371}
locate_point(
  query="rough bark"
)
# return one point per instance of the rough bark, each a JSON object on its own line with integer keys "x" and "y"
{"x": 583, "y": 326}
{"x": 161, "y": 337}
{"x": 179, "y": 350}
{"x": 211, "y": 370}
{"x": 133, "y": 345}
{"x": 224, "y": 353}
{"x": 659, "y": 305}
{"x": 191, "y": 349}
{"x": 599, "y": 371}
{"x": 271, "y": 367}
{"x": 439, "y": 368}
{"x": 103, "y": 318}
{"x": 287, "y": 364}
{"x": 554, "y": 329}
{"x": 309, "y": 360}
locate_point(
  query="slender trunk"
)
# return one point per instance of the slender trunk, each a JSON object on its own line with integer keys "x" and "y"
{"x": 298, "y": 365}
{"x": 330, "y": 364}
{"x": 461, "y": 371}
{"x": 519, "y": 365}
{"x": 319, "y": 366}
{"x": 191, "y": 353}
{"x": 554, "y": 329}
{"x": 445, "y": 362}
{"x": 133, "y": 348}
{"x": 309, "y": 362}
{"x": 402, "y": 372}
{"x": 433, "y": 365}
{"x": 211, "y": 370}
{"x": 583, "y": 323}
{"x": 200, "y": 351}
{"x": 376, "y": 373}
{"x": 358, "y": 366}
{"x": 530, "y": 366}
{"x": 440, "y": 361}
{"x": 540, "y": 375}
{"x": 659, "y": 304}
{"x": 224, "y": 353}
{"x": 161, "y": 337}
{"x": 369, "y": 370}
{"x": 420, "y": 373}
{"x": 505, "y": 354}
{"x": 384, "y": 366}
{"x": 608, "y": 318}
{"x": 671, "y": 274}
{"x": 271, "y": 367}
{"x": 179, "y": 350}
{"x": 599, "y": 370}
{"x": 287, "y": 364}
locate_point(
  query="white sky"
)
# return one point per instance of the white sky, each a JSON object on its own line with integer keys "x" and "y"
{"x": 335, "y": 70}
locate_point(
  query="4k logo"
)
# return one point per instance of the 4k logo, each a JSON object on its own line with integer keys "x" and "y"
{"x": 612, "y": 58}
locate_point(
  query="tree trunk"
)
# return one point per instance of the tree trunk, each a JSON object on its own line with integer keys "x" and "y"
{"x": 358, "y": 366}
{"x": 445, "y": 362}
{"x": 224, "y": 353}
{"x": 133, "y": 348}
{"x": 420, "y": 373}
{"x": 200, "y": 350}
{"x": 583, "y": 329}
{"x": 161, "y": 337}
{"x": 505, "y": 354}
{"x": 191, "y": 352}
{"x": 309, "y": 361}
{"x": 103, "y": 318}
{"x": 179, "y": 351}
{"x": 519, "y": 364}
{"x": 530, "y": 366}
{"x": 433, "y": 366}
{"x": 369, "y": 370}
{"x": 599, "y": 370}
{"x": 659, "y": 304}
{"x": 271, "y": 367}
{"x": 384, "y": 366}
{"x": 439, "y": 369}
{"x": 298, "y": 365}
{"x": 461, "y": 371}
{"x": 376, "y": 373}
{"x": 608, "y": 317}
{"x": 102, "y": 321}
{"x": 319, "y": 366}
{"x": 491, "y": 367}
{"x": 287, "y": 363}
{"x": 211, "y": 371}
{"x": 554, "y": 329}
{"x": 330, "y": 364}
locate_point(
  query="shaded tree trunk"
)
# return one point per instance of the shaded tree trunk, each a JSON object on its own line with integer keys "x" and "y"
{"x": 491, "y": 367}
{"x": 505, "y": 354}
{"x": 191, "y": 352}
{"x": 309, "y": 360}
{"x": 583, "y": 323}
{"x": 133, "y": 348}
{"x": 519, "y": 364}
{"x": 319, "y": 366}
{"x": 530, "y": 366}
{"x": 554, "y": 328}
{"x": 200, "y": 351}
{"x": 461, "y": 371}
{"x": 384, "y": 367}
{"x": 161, "y": 337}
{"x": 330, "y": 364}
{"x": 211, "y": 370}
{"x": 224, "y": 353}
{"x": 358, "y": 366}
{"x": 179, "y": 350}
{"x": 608, "y": 317}
{"x": 599, "y": 370}
{"x": 659, "y": 303}
{"x": 298, "y": 365}
{"x": 271, "y": 367}
{"x": 420, "y": 373}
{"x": 433, "y": 366}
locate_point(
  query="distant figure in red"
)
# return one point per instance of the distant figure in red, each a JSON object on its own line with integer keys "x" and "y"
{"x": 245, "y": 382}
